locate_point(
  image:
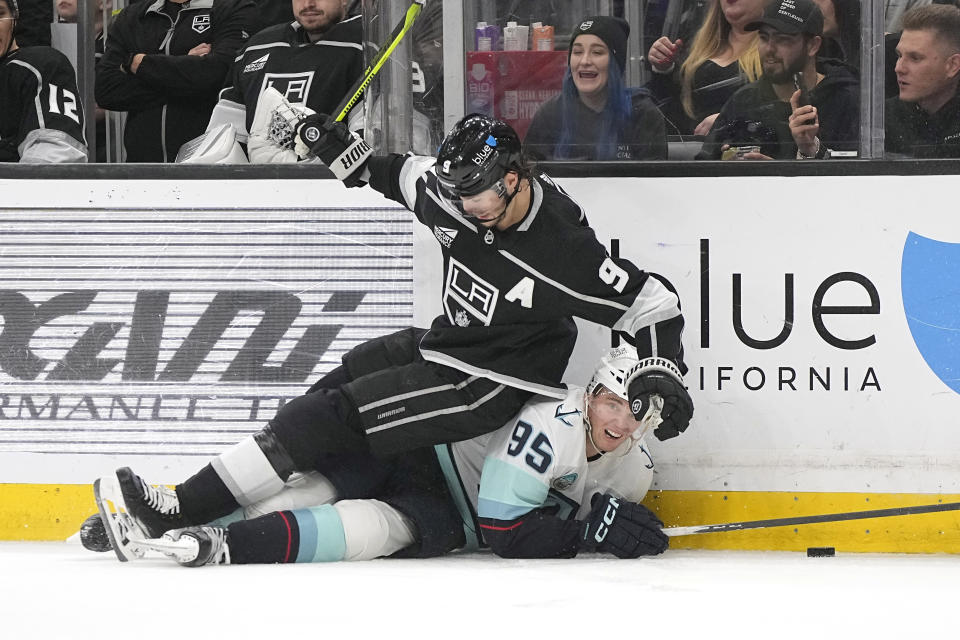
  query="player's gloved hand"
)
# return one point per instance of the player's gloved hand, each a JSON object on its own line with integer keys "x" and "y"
{"x": 660, "y": 377}
{"x": 343, "y": 151}
{"x": 625, "y": 529}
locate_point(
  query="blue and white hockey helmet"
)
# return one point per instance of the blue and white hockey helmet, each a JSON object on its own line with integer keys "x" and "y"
{"x": 612, "y": 371}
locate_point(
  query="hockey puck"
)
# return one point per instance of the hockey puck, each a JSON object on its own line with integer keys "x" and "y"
{"x": 821, "y": 552}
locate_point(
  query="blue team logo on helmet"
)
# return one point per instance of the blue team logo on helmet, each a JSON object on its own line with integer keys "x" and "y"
{"x": 491, "y": 141}
{"x": 930, "y": 287}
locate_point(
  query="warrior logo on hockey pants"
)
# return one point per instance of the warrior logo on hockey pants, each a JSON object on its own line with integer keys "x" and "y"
{"x": 930, "y": 271}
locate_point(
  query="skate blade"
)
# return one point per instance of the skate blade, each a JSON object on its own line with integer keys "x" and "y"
{"x": 119, "y": 527}
{"x": 180, "y": 550}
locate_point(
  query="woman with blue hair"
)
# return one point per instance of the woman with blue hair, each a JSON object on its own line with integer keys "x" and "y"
{"x": 595, "y": 117}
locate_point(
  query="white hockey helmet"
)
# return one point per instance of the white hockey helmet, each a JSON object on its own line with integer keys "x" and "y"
{"x": 613, "y": 369}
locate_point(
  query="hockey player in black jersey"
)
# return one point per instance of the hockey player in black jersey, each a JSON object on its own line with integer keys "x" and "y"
{"x": 311, "y": 62}
{"x": 41, "y": 118}
{"x": 519, "y": 261}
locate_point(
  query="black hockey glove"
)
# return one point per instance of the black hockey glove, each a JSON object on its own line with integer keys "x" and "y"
{"x": 625, "y": 529}
{"x": 343, "y": 151}
{"x": 660, "y": 377}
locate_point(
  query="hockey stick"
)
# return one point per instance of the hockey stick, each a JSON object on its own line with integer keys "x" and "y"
{"x": 827, "y": 517}
{"x": 383, "y": 53}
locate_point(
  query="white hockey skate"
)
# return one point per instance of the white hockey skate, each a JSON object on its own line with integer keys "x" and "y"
{"x": 192, "y": 546}
{"x": 125, "y": 536}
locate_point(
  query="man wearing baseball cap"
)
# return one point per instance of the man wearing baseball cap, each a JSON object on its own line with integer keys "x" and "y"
{"x": 809, "y": 107}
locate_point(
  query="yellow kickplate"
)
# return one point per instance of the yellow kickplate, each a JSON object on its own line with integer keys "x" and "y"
{"x": 924, "y": 533}
{"x": 55, "y": 512}
{"x": 44, "y": 511}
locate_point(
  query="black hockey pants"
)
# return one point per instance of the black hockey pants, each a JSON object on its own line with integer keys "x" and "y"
{"x": 395, "y": 401}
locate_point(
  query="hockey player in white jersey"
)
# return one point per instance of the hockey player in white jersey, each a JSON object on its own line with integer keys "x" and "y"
{"x": 519, "y": 261}
{"x": 563, "y": 476}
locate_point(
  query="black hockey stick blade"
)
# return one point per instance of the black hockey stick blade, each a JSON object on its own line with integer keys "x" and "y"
{"x": 383, "y": 53}
{"x": 827, "y": 517}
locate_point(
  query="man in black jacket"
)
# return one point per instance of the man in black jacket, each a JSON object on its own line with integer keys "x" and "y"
{"x": 924, "y": 120}
{"x": 164, "y": 63}
{"x": 802, "y": 108}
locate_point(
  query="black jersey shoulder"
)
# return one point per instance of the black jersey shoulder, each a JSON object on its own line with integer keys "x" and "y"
{"x": 47, "y": 61}
{"x": 284, "y": 32}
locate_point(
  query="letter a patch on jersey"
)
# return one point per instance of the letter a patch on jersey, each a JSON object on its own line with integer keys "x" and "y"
{"x": 522, "y": 292}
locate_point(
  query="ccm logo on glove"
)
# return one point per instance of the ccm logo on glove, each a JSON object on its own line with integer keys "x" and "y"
{"x": 609, "y": 516}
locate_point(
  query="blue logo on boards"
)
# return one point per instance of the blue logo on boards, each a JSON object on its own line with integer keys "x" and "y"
{"x": 491, "y": 141}
{"x": 930, "y": 286}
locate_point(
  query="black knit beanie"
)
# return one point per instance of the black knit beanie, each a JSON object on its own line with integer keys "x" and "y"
{"x": 613, "y": 31}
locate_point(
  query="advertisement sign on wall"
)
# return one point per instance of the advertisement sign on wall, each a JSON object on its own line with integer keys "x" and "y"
{"x": 166, "y": 327}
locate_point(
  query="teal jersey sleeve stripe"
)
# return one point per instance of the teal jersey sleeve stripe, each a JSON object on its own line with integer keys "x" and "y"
{"x": 322, "y": 538}
{"x": 503, "y": 485}
{"x": 500, "y": 511}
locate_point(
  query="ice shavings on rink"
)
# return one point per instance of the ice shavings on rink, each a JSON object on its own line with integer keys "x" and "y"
{"x": 59, "y": 590}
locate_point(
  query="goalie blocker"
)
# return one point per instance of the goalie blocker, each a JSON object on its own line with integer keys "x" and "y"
{"x": 660, "y": 377}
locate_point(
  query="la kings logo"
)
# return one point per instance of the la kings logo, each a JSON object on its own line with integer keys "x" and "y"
{"x": 445, "y": 236}
{"x": 471, "y": 293}
{"x": 201, "y": 24}
{"x": 257, "y": 64}
{"x": 295, "y": 87}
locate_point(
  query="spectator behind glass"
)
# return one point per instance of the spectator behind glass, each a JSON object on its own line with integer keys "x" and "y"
{"x": 67, "y": 13}
{"x": 164, "y": 63}
{"x": 801, "y": 107}
{"x": 33, "y": 25}
{"x": 722, "y": 58}
{"x": 41, "y": 119}
{"x": 841, "y": 30}
{"x": 924, "y": 120}
{"x": 595, "y": 117}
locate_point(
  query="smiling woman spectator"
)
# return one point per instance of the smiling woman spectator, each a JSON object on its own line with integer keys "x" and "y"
{"x": 595, "y": 117}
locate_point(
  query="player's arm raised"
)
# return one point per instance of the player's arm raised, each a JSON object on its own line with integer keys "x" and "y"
{"x": 645, "y": 307}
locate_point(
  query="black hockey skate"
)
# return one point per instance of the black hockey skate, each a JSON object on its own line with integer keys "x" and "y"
{"x": 193, "y": 546}
{"x": 156, "y": 510}
{"x": 123, "y": 533}
{"x": 93, "y": 534}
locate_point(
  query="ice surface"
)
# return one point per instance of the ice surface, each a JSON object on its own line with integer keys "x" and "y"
{"x": 59, "y": 590}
